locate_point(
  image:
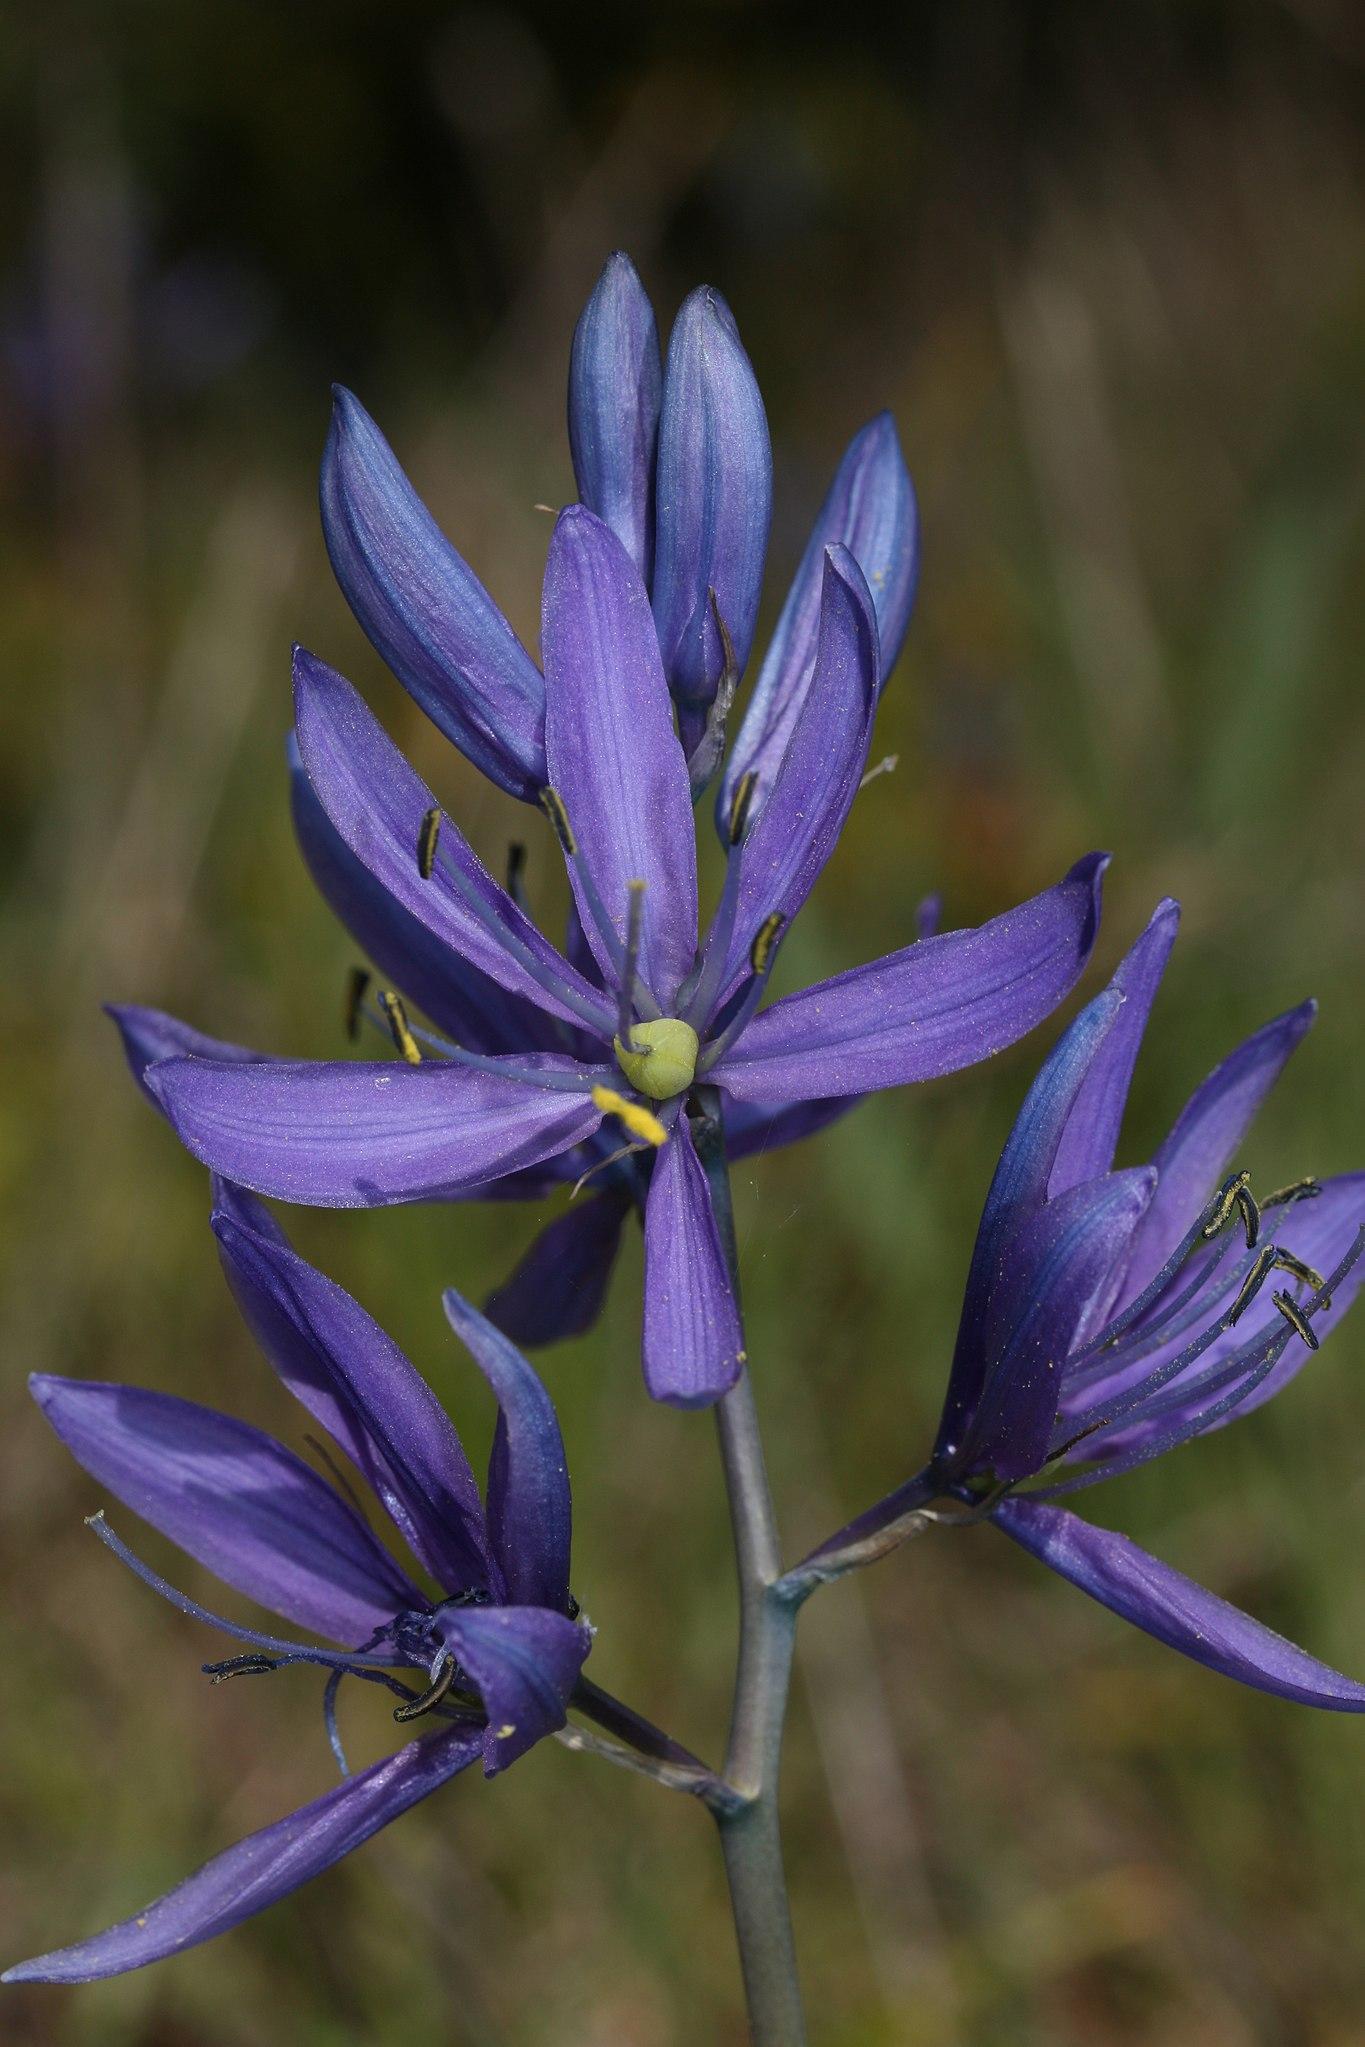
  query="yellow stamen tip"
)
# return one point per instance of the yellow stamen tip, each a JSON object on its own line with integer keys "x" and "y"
{"x": 636, "y": 1118}
{"x": 400, "y": 1030}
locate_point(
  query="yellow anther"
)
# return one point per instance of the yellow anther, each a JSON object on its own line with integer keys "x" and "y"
{"x": 552, "y": 803}
{"x": 428, "y": 833}
{"x": 741, "y": 804}
{"x": 661, "y": 1058}
{"x": 765, "y": 938}
{"x": 396, "y": 1017}
{"x": 637, "y": 1119}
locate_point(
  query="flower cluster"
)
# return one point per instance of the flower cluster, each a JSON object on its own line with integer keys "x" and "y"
{"x": 541, "y": 1062}
{"x": 1110, "y": 1313}
{"x": 496, "y": 1644}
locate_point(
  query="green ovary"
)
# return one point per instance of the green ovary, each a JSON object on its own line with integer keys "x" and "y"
{"x": 661, "y": 1059}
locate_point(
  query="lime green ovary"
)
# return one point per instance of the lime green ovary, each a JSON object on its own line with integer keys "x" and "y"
{"x": 661, "y": 1059}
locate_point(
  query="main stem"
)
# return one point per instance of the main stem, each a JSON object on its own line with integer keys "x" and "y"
{"x": 749, "y": 1825}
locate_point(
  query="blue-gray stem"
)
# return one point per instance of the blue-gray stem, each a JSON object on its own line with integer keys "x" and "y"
{"x": 749, "y": 1826}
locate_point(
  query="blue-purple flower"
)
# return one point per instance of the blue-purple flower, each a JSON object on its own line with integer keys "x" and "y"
{"x": 549, "y": 1067}
{"x": 481, "y": 1616}
{"x": 1111, "y": 1314}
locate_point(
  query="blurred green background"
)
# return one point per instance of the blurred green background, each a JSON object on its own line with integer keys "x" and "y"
{"x": 1108, "y": 267}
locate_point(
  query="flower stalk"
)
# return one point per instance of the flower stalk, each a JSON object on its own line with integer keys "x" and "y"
{"x": 749, "y": 1824}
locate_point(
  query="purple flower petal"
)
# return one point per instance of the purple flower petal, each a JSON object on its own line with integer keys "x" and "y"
{"x": 1204, "y": 1139}
{"x": 525, "y": 1662}
{"x": 870, "y": 510}
{"x": 935, "y": 1006}
{"x": 230, "y": 1496}
{"x": 1050, "y": 1273}
{"x": 367, "y": 1134}
{"x": 817, "y": 778}
{"x": 460, "y": 999}
{"x": 714, "y": 498}
{"x": 1165, "y": 1603}
{"x": 612, "y": 752}
{"x": 615, "y": 382}
{"x": 558, "y": 1288}
{"x": 530, "y": 1507}
{"x": 268, "y": 1865}
{"x": 150, "y": 1035}
{"x": 425, "y": 609}
{"x": 693, "y": 1336}
{"x": 353, "y": 1378}
{"x": 1017, "y": 1193}
{"x": 1092, "y": 1130}
{"x": 375, "y": 802}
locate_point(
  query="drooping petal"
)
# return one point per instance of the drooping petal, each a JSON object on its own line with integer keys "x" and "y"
{"x": 239, "y": 1502}
{"x": 353, "y": 1378}
{"x": 458, "y": 997}
{"x": 612, "y": 752}
{"x": 1204, "y": 1139}
{"x": 615, "y": 382}
{"x": 525, "y": 1661}
{"x": 1016, "y": 1195}
{"x": 558, "y": 1288}
{"x": 425, "y": 609}
{"x": 870, "y": 510}
{"x": 1092, "y": 1129}
{"x": 266, "y": 1866}
{"x": 1165, "y": 1603}
{"x": 376, "y": 803}
{"x": 1050, "y": 1273}
{"x": 530, "y": 1508}
{"x": 817, "y": 778}
{"x": 151, "y": 1034}
{"x": 713, "y": 500}
{"x": 935, "y": 1006}
{"x": 693, "y": 1336}
{"x": 367, "y": 1134}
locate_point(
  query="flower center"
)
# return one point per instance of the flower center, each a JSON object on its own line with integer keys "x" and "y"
{"x": 661, "y": 1058}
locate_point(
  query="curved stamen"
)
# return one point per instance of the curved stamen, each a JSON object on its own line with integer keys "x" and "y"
{"x": 581, "y": 1083}
{"x": 357, "y": 1660}
{"x": 1222, "y": 1204}
{"x": 432, "y": 1696}
{"x": 1249, "y": 1367}
{"x": 1186, "y": 1310}
{"x": 762, "y": 958}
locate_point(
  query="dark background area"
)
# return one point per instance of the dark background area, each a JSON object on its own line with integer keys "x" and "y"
{"x": 1107, "y": 266}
